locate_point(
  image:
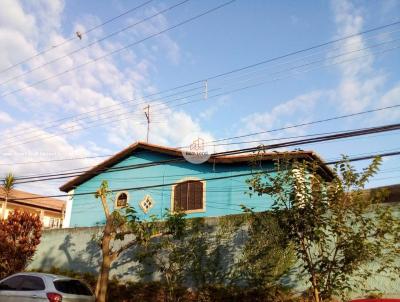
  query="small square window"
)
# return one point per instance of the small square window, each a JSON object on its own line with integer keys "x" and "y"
{"x": 146, "y": 204}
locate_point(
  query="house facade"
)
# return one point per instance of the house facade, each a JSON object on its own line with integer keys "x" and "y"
{"x": 50, "y": 210}
{"x": 153, "y": 179}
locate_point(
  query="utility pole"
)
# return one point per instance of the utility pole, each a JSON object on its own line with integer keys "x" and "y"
{"x": 147, "y": 114}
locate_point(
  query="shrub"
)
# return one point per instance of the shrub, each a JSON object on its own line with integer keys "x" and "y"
{"x": 159, "y": 292}
{"x": 19, "y": 236}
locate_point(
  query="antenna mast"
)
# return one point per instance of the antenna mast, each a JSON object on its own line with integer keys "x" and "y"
{"x": 147, "y": 114}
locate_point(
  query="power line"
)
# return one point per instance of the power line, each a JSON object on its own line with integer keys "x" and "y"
{"x": 59, "y": 173}
{"x": 305, "y": 50}
{"x": 93, "y": 43}
{"x": 181, "y": 104}
{"x": 205, "y": 179}
{"x": 309, "y": 123}
{"x": 365, "y": 153}
{"x": 73, "y": 117}
{"x": 343, "y": 134}
{"x": 227, "y": 204}
{"x": 277, "y": 138}
{"x": 244, "y": 68}
{"x": 73, "y": 37}
{"x": 333, "y": 49}
{"x": 263, "y": 62}
{"x": 122, "y": 48}
{"x": 54, "y": 135}
{"x": 361, "y": 158}
{"x": 174, "y": 176}
{"x": 67, "y": 175}
{"x": 240, "y": 136}
{"x": 54, "y": 160}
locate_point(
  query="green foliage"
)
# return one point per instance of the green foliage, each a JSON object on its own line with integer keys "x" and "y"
{"x": 157, "y": 292}
{"x": 333, "y": 226}
{"x": 204, "y": 257}
{"x": 212, "y": 252}
{"x": 121, "y": 223}
{"x": 7, "y": 186}
{"x": 8, "y": 182}
{"x": 265, "y": 257}
{"x": 175, "y": 223}
{"x": 165, "y": 254}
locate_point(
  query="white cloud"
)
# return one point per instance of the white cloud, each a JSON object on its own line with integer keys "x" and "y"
{"x": 5, "y": 118}
{"x": 297, "y": 110}
{"x": 390, "y": 98}
{"x": 14, "y": 18}
{"x": 17, "y": 30}
{"x": 360, "y": 82}
{"x": 28, "y": 27}
{"x": 167, "y": 127}
{"x": 208, "y": 113}
{"x": 53, "y": 148}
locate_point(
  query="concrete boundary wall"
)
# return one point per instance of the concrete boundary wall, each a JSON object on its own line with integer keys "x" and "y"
{"x": 74, "y": 249}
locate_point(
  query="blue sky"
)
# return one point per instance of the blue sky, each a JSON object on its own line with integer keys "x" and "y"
{"x": 239, "y": 34}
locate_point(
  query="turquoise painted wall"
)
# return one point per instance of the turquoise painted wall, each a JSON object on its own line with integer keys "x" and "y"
{"x": 223, "y": 196}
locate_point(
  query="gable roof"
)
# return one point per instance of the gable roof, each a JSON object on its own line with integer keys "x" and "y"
{"x": 33, "y": 200}
{"x": 228, "y": 159}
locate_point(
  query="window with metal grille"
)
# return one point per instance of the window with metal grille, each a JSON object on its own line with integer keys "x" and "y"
{"x": 122, "y": 200}
{"x": 189, "y": 195}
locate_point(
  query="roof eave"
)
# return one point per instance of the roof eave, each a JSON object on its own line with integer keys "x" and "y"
{"x": 118, "y": 157}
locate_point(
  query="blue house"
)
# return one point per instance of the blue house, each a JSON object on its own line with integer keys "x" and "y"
{"x": 153, "y": 178}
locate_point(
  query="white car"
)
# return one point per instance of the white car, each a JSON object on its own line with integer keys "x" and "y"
{"x": 38, "y": 287}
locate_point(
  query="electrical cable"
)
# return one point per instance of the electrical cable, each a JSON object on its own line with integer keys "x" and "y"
{"x": 181, "y": 104}
{"x": 206, "y": 179}
{"x": 120, "y": 49}
{"x": 74, "y": 37}
{"x": 93, "y": 43}
{"x": 343, "y": 134}
{"x": 257, "y": 64}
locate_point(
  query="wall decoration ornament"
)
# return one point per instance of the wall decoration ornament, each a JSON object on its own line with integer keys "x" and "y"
{"x": 146, "y": 204}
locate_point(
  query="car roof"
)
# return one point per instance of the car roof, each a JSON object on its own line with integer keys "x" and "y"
{"x": 50, "y": 276}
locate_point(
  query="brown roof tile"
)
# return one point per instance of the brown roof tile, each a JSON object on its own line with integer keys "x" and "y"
{"x": 21, "y": 197}
{"x": 228, "y": 159}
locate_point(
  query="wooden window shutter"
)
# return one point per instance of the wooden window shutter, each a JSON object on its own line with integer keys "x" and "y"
{"x": 188, "y": 195}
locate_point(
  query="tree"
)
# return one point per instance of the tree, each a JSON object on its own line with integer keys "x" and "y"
{"x": 119, "y": 225}
{"x": 265, "y": 257}
{"x": 19, "y": 236}
{"x": 336, "y": 229}
{"x": 167, "y": 256}
{"x": 7, "y": 186}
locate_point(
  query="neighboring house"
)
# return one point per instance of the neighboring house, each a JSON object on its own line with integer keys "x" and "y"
{"x": 392, "y": 194}
{"x": 214, "y": 188}
{"x": 50, "y": 210}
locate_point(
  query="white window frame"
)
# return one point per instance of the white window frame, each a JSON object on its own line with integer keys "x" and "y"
{"x": 202, "y": 210}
